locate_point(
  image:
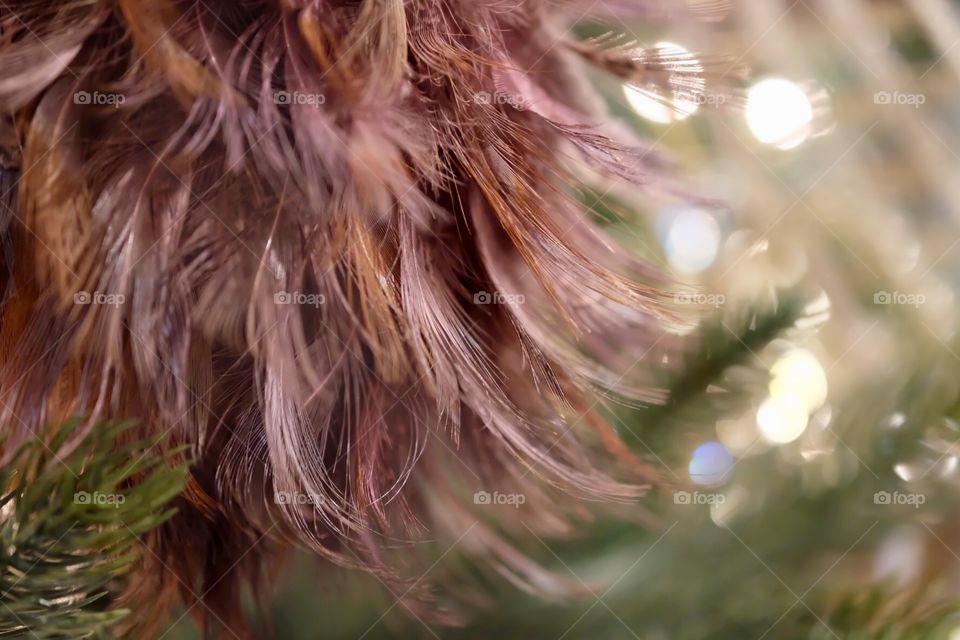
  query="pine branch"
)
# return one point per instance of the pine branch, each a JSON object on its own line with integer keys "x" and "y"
{"x": 69, "y": 528}
{"x": 699, "y": 389}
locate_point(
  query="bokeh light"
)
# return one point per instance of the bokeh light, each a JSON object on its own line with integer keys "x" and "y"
{"x": 659, "y": 109}
{"x": 711, "y": 464}
{"x": 738, "y": 436}
{"x": 798, "y": 372}
{"x": 782, "y": 418}
{"x": 691, "y": 238}
{"x": 779, "y": 113}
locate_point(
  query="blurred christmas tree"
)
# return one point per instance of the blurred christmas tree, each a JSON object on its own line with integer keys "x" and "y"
{"x": 809, "y": 444}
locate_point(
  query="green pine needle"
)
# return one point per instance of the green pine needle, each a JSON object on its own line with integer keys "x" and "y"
{"x": 69, "y": 527}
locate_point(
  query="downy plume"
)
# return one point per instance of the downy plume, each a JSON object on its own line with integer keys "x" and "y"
{"x": 336, "y": 249}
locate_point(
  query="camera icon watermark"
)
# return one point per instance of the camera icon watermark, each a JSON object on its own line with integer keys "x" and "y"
{"x": 296, "y": 297}
{"x": 96, "y": 297}
{"x": 290, "y": 98}
{"x": 486, "y": 297}
{"x": 99, "y": 98}
{"x": 898, "y": 98}
{"x": 497, "y": 498}
{"x": 899, "y": 298}
{"x": 700, "y": 98}
{"x": 698, "y": 497}
{"x": 715, "y": 300}
{"x": 498, "y": 98}
{"x": 914, "y": 500}
{"x": 295, "y": 497}
{"x": 99, "y": 499}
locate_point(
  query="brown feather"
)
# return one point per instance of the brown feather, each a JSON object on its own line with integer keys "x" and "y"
{"x": 285, "y": 216}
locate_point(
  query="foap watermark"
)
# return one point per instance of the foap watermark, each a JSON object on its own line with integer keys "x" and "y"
{"x": 486, "y": 297}
{"x": 498, "y": 97}
{"x": 700, "y": 299}
{"x": 898, "y": 98}
{"x": 897, "y": 498}
{"x": 99, "y": 98}
{"x": 700, "y": 98}
{"x": 299, "y": 98}
{"x": 296, "y": 297}
{"x": 497, "y": 498}
{"x": 898, "y": 297}
{"x": 295, "y": 497}
{"x": 100, "y": 499}
{"x": 698, "y": 497}
{"x": 97, "y": 297}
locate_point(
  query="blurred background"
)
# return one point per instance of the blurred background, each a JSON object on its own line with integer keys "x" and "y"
{"x": 809, "y": 445}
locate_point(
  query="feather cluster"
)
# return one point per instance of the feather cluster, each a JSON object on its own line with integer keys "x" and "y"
{"x": 339, "y": 250}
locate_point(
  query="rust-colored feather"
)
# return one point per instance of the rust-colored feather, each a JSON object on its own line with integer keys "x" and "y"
{"x": 332, "y": 247}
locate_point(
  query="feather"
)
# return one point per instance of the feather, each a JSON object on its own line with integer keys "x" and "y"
{"x": 295, "y": 236}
